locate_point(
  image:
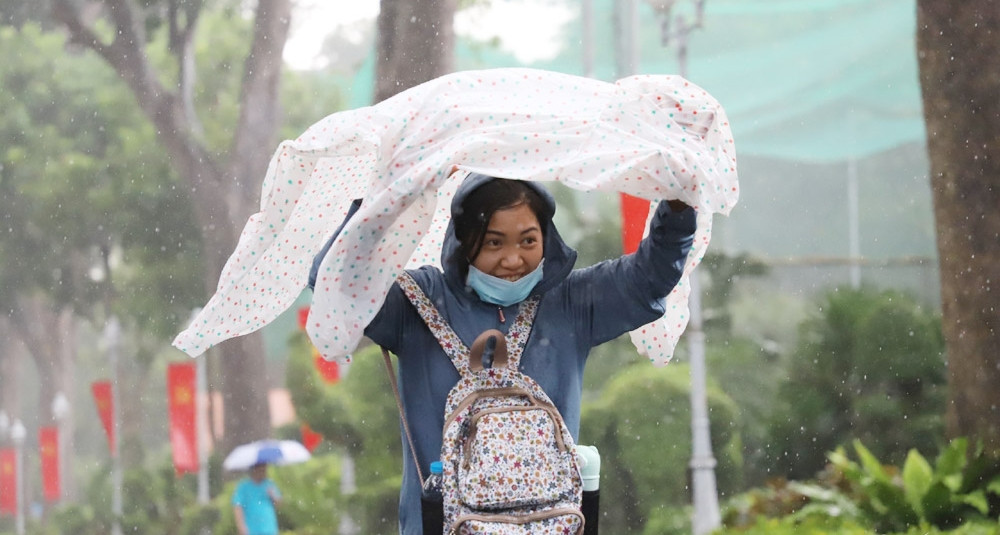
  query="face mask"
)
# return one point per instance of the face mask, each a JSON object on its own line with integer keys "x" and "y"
{"x": 503, "y": 292}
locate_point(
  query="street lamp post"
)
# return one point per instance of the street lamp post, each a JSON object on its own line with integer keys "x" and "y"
{"x": 705, "y": 496}
{"x": 704, "y": 492}
{"x": 17, "y": 435}
{"x": 201, "y": 420}
{"x": 112, "y": 334}
{"x": 201, "y": 430}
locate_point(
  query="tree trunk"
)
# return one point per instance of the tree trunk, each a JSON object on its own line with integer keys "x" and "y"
{"x": 958, "y": 43}
{"x": 12, "y": 354}
{"x": 415, "y": 44}
{"x": 224, "y": 192}
{"x": 49, "y": 335}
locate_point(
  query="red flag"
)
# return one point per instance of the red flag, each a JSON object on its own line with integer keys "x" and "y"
{"x": 8, "y": 481}
{"x": 310, "y": 438}
{"x": 329, "y": 370}
{"x": 48, "y": 446}
{"x": 303, "y": 317}
{"x": 634, "y": 214}
{"x": 105, "y": 405}
{"x": 181, "y": 389}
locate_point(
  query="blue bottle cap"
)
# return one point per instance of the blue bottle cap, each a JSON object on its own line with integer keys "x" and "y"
{"x": 437, "y": 467}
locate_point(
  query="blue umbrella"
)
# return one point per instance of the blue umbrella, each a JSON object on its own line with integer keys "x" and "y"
{"x": 278, "y": 452}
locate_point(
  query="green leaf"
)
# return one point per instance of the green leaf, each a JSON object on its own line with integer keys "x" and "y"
{"x": 953, "y": 482}
{"x": 976, "y": 499}
{"x": 917, "y": 479}
{"x": 994, "y": 486}
{"x": 871, "y": 465}
{"x": 952, "y": 460}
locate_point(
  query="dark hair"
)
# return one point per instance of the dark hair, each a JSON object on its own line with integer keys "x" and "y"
{"x": 478, "y": 208}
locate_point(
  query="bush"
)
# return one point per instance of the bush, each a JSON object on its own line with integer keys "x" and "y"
{"x": 869, "y": 366}
{"x": 642, "y": 427}
{"x": 955, "y": 493}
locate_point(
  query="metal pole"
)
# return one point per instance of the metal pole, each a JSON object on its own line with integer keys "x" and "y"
{"x": 347, "y": 487}
{"x": 704, "y": 491}
{"x": 18, "y": 434}
{"x": 60, "y": 411}
{"x": 113, "y": 332}
{"x": 201, "y": 420}
{"x": 854, "y": 228}
{"x": 200, "y": 427}
{"x": 705, "y": 495}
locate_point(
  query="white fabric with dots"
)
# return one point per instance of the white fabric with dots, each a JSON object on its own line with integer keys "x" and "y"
{"x": 651, "y": 136}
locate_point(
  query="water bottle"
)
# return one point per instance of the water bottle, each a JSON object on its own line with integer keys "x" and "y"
{"x": 590, "y": 471}
{"x": 431, "y": 501}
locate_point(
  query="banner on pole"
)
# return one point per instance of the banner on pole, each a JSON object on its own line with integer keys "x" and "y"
{"x": 8, "y": 481}
{"x": 182, "y": 386}
{"x": 48, "y": 447}
{"x": 105, "y": 406}
{"x": 329, "y": 370}
{"x": 310, "y": 438}
{"x": 634, "y": 214}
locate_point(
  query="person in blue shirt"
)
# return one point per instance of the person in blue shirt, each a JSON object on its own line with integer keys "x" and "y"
{"x": 500, "y": 248}
{"x": 255, "y": 503}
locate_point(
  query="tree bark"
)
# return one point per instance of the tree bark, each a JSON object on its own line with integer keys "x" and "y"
{"x": 415, "y": 44}
{"x": 224, "y": 192}
{"x": 958, "y": 43}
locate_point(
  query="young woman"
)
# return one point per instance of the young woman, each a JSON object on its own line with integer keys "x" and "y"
{"x": 501, "y": 247}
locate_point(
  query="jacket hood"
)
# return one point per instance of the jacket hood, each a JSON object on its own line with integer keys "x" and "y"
{"x": 559, "y": 257}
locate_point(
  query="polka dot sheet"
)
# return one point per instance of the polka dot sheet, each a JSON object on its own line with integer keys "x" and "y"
{"x": 652, "y": 136}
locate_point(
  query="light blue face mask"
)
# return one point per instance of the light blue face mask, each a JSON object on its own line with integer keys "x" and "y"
{"x": 503, "y": 292}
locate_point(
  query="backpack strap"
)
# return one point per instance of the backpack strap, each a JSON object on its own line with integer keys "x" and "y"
{"x": 516, "y": 338}
{"x": 402, "y": 414}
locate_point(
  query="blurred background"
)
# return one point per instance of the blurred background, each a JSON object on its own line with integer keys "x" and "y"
{"x": 135, "y": 134}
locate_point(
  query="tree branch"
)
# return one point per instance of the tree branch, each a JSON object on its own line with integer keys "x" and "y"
{"x": 259, "y": 104}
{"x": 126, "y": 54}
{"x": 181, "y": 38}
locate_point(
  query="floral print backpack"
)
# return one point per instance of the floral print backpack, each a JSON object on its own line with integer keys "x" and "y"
{"x": 509, "y": 460}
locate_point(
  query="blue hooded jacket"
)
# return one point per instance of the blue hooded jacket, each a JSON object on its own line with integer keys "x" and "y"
{"x": 579, "y": 309}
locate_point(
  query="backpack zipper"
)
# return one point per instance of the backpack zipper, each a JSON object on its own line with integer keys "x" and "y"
{"x": 518, "y": 519}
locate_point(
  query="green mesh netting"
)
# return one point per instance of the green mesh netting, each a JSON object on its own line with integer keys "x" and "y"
{"x": 803, "y": 80}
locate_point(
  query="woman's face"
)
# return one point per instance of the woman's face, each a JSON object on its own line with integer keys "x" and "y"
{"x": 512, "y": 244}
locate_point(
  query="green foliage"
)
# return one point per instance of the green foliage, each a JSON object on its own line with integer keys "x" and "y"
{"x": 790, "y": 526}
{"x": 953, "y": 491}
{"x": 749, "y": 375}
{"x": 154, "y": 501}
{"x": 869, "y": 366}
{"x": 724, "y": 273}
{"x": 641, "y": 426}
{"x": 311, "y": 500}
{"x": 588, "y": 222}
{"x": 797, "y": 502}
{"x": 85, "y": 185}
{"x": 837, "y": 526}
{"x": 84, "y": 188}
{"x": 960, "y": 492}
{"x": 359, "y": 416}
{"x": 668, "y": 521}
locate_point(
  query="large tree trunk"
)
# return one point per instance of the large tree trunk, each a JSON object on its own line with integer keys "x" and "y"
{"x": 958, "y": 45}
{"x": 415, "y": 44}
{"x": 224, "y": 192}
{"x": 48, "y": 336}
